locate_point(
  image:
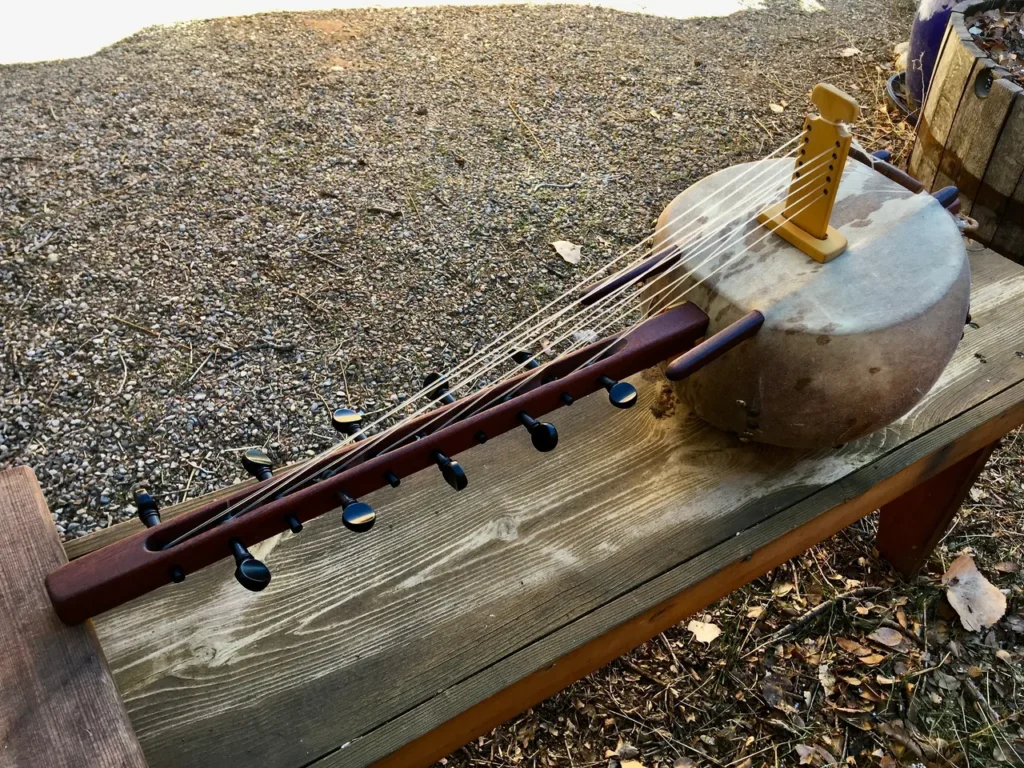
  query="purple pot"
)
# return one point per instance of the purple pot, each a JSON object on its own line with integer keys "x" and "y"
{"x": 925, "y": 40}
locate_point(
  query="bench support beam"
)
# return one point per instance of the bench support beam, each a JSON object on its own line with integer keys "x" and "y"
{"x": 911, "y": 526}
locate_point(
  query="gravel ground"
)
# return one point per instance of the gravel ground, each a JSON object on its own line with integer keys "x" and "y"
{"x": 213, "y": 233}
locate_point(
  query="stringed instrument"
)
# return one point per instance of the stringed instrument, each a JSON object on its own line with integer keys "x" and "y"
{"x": 796, "y": 301}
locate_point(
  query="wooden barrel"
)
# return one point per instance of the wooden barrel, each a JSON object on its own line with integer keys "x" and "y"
{"x": 971, "y": 134}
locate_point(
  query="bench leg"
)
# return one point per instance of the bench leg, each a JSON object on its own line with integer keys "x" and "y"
{"x": 911, "y": 525}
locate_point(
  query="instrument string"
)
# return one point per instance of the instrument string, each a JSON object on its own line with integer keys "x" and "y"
{"x": 810, "y": 197}
{"x": 288, "y": 476}
{"x": 458, "y": 413}
{"x": 770, "y": 186}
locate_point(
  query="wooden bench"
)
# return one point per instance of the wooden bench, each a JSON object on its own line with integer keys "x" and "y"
{"x": 460, "y": 610}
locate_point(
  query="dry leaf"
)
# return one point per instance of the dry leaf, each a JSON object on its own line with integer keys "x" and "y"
{"x": 624, "y": 751}
{"x": 847, "y": 53}
{"x": 631, "y": 764}
{"x": 852, "y": 646}
{"x": 1003, "y": 655}
{"x": 850, "y": 680}
{"x": 781, "y": 589}
{"x": 806, "y": 754}
{"x": 977, "y": 602}
{"x": 756, "y": 612}
{"x": 684, "y": 762}
{"x": 776, "y": 108}
{"x": 828, "y": 680}
{"x": 570, "y": 252}
{"x": 703, "y": 632}
{"x": 886, "y": 636}
{"x": 883, "y": 680}
{"x": 873, "y": 659}
{"x": 1006, "y": 567}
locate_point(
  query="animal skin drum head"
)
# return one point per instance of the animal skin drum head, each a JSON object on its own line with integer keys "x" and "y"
{"x": 848, "y": 346}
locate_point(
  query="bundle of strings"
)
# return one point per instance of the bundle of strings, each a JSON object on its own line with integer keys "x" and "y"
{"x": 567, "y": 324}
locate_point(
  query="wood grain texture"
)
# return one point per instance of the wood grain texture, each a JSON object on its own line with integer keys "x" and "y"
{"x": 910, "y": 526}
{"x": 1009, "y": 236}
{"x": 974, "y": 135}
{"x": 754, "y": 554}
{"x": 949, "y": 80}
{"x": 58, "y": 704}
{"x": 971, "y": 138}
{"x": 130, "y": 569}
{"x": 1001, "y": 177}
{"x": 359, "y": 632}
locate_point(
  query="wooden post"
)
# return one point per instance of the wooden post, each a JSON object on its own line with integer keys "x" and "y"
{"x": 58, "y": 704}
{"x": 911, "y": 526}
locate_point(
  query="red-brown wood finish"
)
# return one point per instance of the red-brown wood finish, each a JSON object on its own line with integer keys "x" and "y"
{"x": 137, "y": 565}
{"x": 910, "y": 527}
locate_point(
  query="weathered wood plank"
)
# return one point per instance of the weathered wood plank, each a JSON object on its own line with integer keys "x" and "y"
{"x": 910, "y": 527}
{"x": 58, "y": 704}
{"x": 444, "y": 723}
{"x": 949, "y": 81}
{"x": 1004, "y": 173}
{"x": 973, "y": 135}
{"x": 448, "y": 583}
{"x": 1009, "y": 236}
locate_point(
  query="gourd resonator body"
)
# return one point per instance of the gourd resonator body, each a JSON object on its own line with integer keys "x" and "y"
{"x": 847, "y": 346}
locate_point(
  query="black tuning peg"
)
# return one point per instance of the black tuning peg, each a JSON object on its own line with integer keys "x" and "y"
{"x": 393, "y": 480}
{"x": 525, "y": 359}
{"x": 251, "y": 573}
{"x": 452, "y": 471}
{"x": 357, "y": 516}
{"x": 146, "y": 508}
{"x": 543, "y": 435}
{"x": 347, "y": 422}
{"x": 257, "y": 464}
{"x": 621, "y": 394}
{"x": 440, "y": 392}
{"x": 565, "y": 397}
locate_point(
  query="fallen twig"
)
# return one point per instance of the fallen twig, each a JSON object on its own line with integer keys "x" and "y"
{"x": 552, "y": 185}
{"x": 526, "y": 127}
{"x": 812, "y": 614}
{"x": 198, "y": 369}
{"x": 382, "y": 209}
{"x": 980, "y": 701}
{"x": 124, "y": 378}
{"x": 308, "y": 300}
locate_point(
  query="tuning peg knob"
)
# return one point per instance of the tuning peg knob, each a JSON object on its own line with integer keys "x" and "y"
{"x": 251, "y": 573}
{"x": 621, "y": 394}
{"x": 543, "y": 435}
{"x": 451, "y": 471}
{"x": 525, "y": 359}
{"x": 146, "y": 508}
{"x": 257, "y": 464}
{"x": 440, "y": 392}
{"x": 357, "y": 516}
{"x": 348, "y": 422}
